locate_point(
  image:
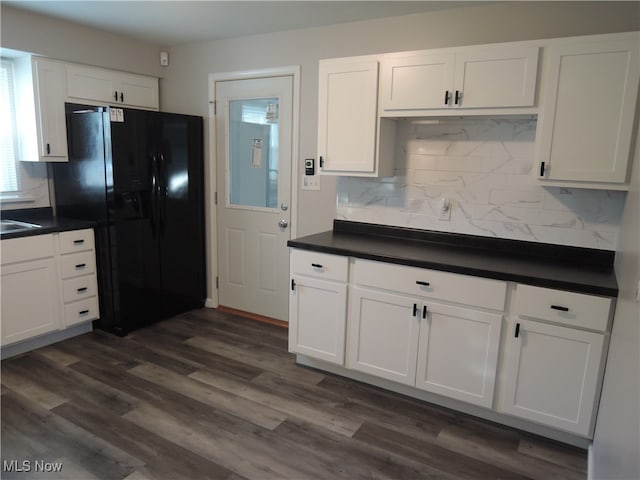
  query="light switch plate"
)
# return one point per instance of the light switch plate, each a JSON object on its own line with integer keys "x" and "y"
{"x": 311, "y": 182}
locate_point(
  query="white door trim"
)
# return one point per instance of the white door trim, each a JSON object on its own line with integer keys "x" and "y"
{"x": 211, "y": 220}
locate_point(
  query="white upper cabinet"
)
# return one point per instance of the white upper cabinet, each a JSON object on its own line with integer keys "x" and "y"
{"x": 49, "y": 88}
{"x": 348, "y": 117}
{"x": 585, "y": 126}
{"x": 110, "y": 87}
{"x": 469, "y": 78}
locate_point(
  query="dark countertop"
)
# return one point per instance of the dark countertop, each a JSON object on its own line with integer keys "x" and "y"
{"x": 575, "y": 269}
{"x": 43, "y": 217}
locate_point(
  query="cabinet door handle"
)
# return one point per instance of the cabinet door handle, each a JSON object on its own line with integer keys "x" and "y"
{"x": 424, "y": 284}
{"x": 558, "y": 307}
{"x": 415, "y": 309}
{"x": 115, "y": 95}
{"x": 122, "y": 97}
{"x": 446, "y": 97}
{"x": 48, "y": 149}
{"x": 424, "y": 311}
{"x": 542, "y": 169}
{"x": 81, "y": 265}
{"x": 321, "y": 161}
{"x": 82, "y": 290}
{"x": 293, "y": 284}
{"x": 457, "y": 99}
{"x": 316, "y": 265}
{"x": 517, "y": 330}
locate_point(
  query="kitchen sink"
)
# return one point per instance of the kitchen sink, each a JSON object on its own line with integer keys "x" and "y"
{"x": 7, "y": 226}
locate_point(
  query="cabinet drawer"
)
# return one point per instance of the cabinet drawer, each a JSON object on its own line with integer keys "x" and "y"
{"x": 81, "y": 311}
{"x": 76, "y": 241}
{"x": 27, "y": 248}
{"x": 451, "y": 287}
{"x": 320, "y": 265}
{"x": 77, "y": 264}
{"x": 80, "y": 287}
{"x": 567, "y": 308}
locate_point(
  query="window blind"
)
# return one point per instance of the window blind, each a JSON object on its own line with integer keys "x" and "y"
{"x": 9, "y": 179}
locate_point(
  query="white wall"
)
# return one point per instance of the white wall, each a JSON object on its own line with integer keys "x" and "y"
{"x": 615, "y": 453}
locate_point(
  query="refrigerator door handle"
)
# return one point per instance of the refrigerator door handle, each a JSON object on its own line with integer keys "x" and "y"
{"x": 162, "y": 193}
{"x": 153, "y": 215}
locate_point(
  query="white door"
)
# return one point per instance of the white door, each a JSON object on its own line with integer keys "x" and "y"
{"x": 254, "y": 144}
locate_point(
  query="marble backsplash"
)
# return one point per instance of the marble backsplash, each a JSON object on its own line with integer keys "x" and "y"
{"x": 485, "y": 168}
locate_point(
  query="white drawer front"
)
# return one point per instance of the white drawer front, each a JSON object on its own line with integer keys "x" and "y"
{"x": 79, "y": 288}
{"x": 77, "y": 264}
{"x": 27, "y": 248}
{"x": 451, "y": 287}
{"x": 81, "y": 311}
{"x": 320, "y": 265}
{"x": 76, "y": 241}
{"x": 566, "y": 308}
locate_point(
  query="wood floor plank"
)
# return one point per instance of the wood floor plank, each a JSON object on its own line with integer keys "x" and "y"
{"x": 163, "y": 458}
{"x": 242, "y": 407}
{"x": 58, "y": 437}
{"x": 318, "y": 414}
{"x": 211, "y": 395}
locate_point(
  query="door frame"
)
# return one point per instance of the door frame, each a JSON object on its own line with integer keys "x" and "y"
{"x": 211, "y": 208}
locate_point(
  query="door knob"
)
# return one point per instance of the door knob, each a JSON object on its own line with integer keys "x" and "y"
{"x": 283, "y": 223}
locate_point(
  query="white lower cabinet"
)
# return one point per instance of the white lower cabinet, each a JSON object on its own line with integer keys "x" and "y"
{"x": 458, "y": 353}
{"x": 554, "y": 375}
{"x": 442, "y": 333}
{"x": 48, "y": 283}
{"x": 383, "y": 334}
{"x": 30, "y": 302}
{"x": 318, "y": 305}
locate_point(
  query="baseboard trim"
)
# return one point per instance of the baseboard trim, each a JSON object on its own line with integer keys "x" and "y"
{"x": 253, "y": 316}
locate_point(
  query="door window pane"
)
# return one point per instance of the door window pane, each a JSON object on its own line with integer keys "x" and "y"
{"x": 253, "y": 152}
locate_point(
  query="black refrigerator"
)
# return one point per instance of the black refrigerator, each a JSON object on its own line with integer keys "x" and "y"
{"x": 139, "y": 175}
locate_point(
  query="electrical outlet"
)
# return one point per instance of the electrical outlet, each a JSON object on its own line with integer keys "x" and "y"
{"x": 444, "y": 212}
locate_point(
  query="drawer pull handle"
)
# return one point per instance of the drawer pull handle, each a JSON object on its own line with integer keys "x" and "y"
{"x": 415, "y": 309}
{"x": 424, "y": 284}
{"x": 517, "y": 330}
{"x": 316, "y": 265}
{"x": 80, "y": 265}
{"x": 558, "y": 307}
{"x": 82, "y": 290}
{"x": 78, "y": 242}
{"x": 83, "y": 312}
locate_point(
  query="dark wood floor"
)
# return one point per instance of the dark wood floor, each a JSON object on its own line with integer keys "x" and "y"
{"x": 207, "y": 395}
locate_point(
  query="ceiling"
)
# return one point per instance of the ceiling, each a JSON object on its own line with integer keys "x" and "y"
{"x": 169, "y": 23}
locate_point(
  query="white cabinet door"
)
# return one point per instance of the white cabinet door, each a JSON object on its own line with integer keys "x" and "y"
{"x": 458, "y": 353}
{"x": 492, "y": 77}
{"x": 553, "y": 376}
{"x": 30, "y": 299}
{"x": 49, "y": 89}
{"x": 317, "y": 318}
{"x": 383, "y": 334}
{"x": 417, "y": 82}
{"x": 99, "y": 85}
{"x": 496, "y": 77}
{"x": 138, "y": 91}
{"x": 89, "y": 83}
{"x": 586, "y": 123}
{"x": 347, "y": 116}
